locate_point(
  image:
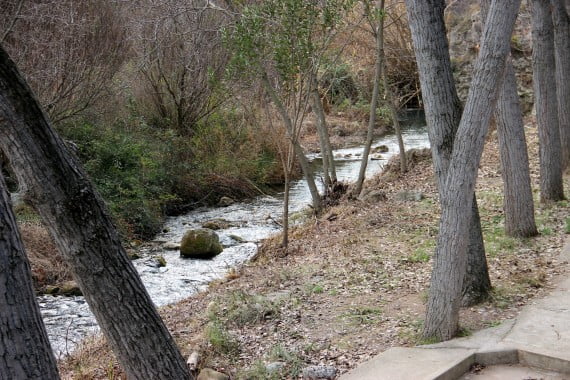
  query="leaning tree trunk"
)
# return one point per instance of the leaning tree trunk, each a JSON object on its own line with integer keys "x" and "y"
{"x": 545, "y": 102}
{"x": 442, "y": 318}
{"x": 443, "y": 113}
{"x": 379, "y": 34}
{"x": 518, "y": 204}
{"x": 77, "y": 219}
{"x": 25, "y": 351}
{"x": 562, "y": 58}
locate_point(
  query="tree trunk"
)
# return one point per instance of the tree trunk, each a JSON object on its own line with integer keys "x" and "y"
{"x": 323, "y": 132}
{"x": 442, "y": 318}
{"x": 518, "y": 204}
{"x": 285, "y": 238}
{"x": 373, "y": 103}
{"x": 25, "y": 351}
{"x": 321, "y": 129}
{"x": 394, "y": 112}
{"x": 545, "y": 102}
{"x": 77, "y": 219}
{"x": 443, "y": 113}
{"x": 562, "y": 57}
{"x": 291, "y": 133}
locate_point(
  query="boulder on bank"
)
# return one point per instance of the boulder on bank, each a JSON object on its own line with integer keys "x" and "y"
{"x": 226, "y": 201}
{"x": 68, "y": 288}
{"x": 200, "y": 243}
{"x": 380, "y": 149}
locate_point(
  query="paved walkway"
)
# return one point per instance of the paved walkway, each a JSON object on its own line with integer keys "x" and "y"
{"x": 538, "y": 337}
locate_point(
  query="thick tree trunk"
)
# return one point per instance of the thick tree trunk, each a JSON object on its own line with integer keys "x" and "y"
{"x": 562, "y": 57}
{"x": 25, "y": 351}
{"x": 518, "y": 204}
{"x": 293, "y": 137}
{"x": 443, "y": 113}
{"x": 545, "y": 102}
{"x": 77, "y": 219}
{"x": 442, "y": 318}
{"x": 373, "y": 104}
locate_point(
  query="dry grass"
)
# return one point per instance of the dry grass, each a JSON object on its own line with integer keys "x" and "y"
{"x": 48, "y": 266}
{"x": 353, "y": 282}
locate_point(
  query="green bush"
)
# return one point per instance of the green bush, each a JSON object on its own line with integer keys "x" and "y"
{"x": 131, "y": 171}
{"x": 144, "y": 172}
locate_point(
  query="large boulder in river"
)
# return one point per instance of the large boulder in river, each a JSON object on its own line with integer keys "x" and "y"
{"x": 200, "y": 243}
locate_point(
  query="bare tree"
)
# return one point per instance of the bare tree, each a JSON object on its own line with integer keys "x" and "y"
{"x": 443, "y": 113}
{"x": 68, "y": 50}
{"x": 182, "y": 59}
{"x": 26, "y": 352}
{"x": 378, "y": 32}
{"x": 76, "y": 217}
{"x": 442, "y": 317}
{"x": 545, "y": 102}
{"x": 518, "y": 204}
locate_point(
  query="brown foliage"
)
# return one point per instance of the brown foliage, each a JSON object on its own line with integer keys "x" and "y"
{"x": 182, "y": 60}
{"x": 48, "y": 266}
{"x": 67, "y": 50}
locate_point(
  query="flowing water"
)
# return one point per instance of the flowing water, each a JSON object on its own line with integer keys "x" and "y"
{"x": 68, "y": 319}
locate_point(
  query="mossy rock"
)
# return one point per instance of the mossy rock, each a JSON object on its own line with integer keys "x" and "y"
{"x": 200, "y": 243}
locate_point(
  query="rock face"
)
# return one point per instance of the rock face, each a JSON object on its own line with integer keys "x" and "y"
{"x": 200, "y": 243}
{"x": 462, "y": 18}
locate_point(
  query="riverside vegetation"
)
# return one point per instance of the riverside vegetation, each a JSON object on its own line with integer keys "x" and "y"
{"x": 353, "y": 281}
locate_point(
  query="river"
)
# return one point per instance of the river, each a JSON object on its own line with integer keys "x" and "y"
{"x": 68, "y": 319}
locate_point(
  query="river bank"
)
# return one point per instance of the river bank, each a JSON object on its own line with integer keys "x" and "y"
{"x": 353, "y": 282}
{"x": 241, "y": 225}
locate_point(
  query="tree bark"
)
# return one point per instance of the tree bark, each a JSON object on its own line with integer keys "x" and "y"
{"x": 77, "y": 219}
{"x": 443, "y": 113}
{"x": 518, "y": 204}
{"x": 25, "y": 351}
{"x": 545, "y": 102}
{"x": 442, "y": 318}
{"x": 561, "y": 21}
